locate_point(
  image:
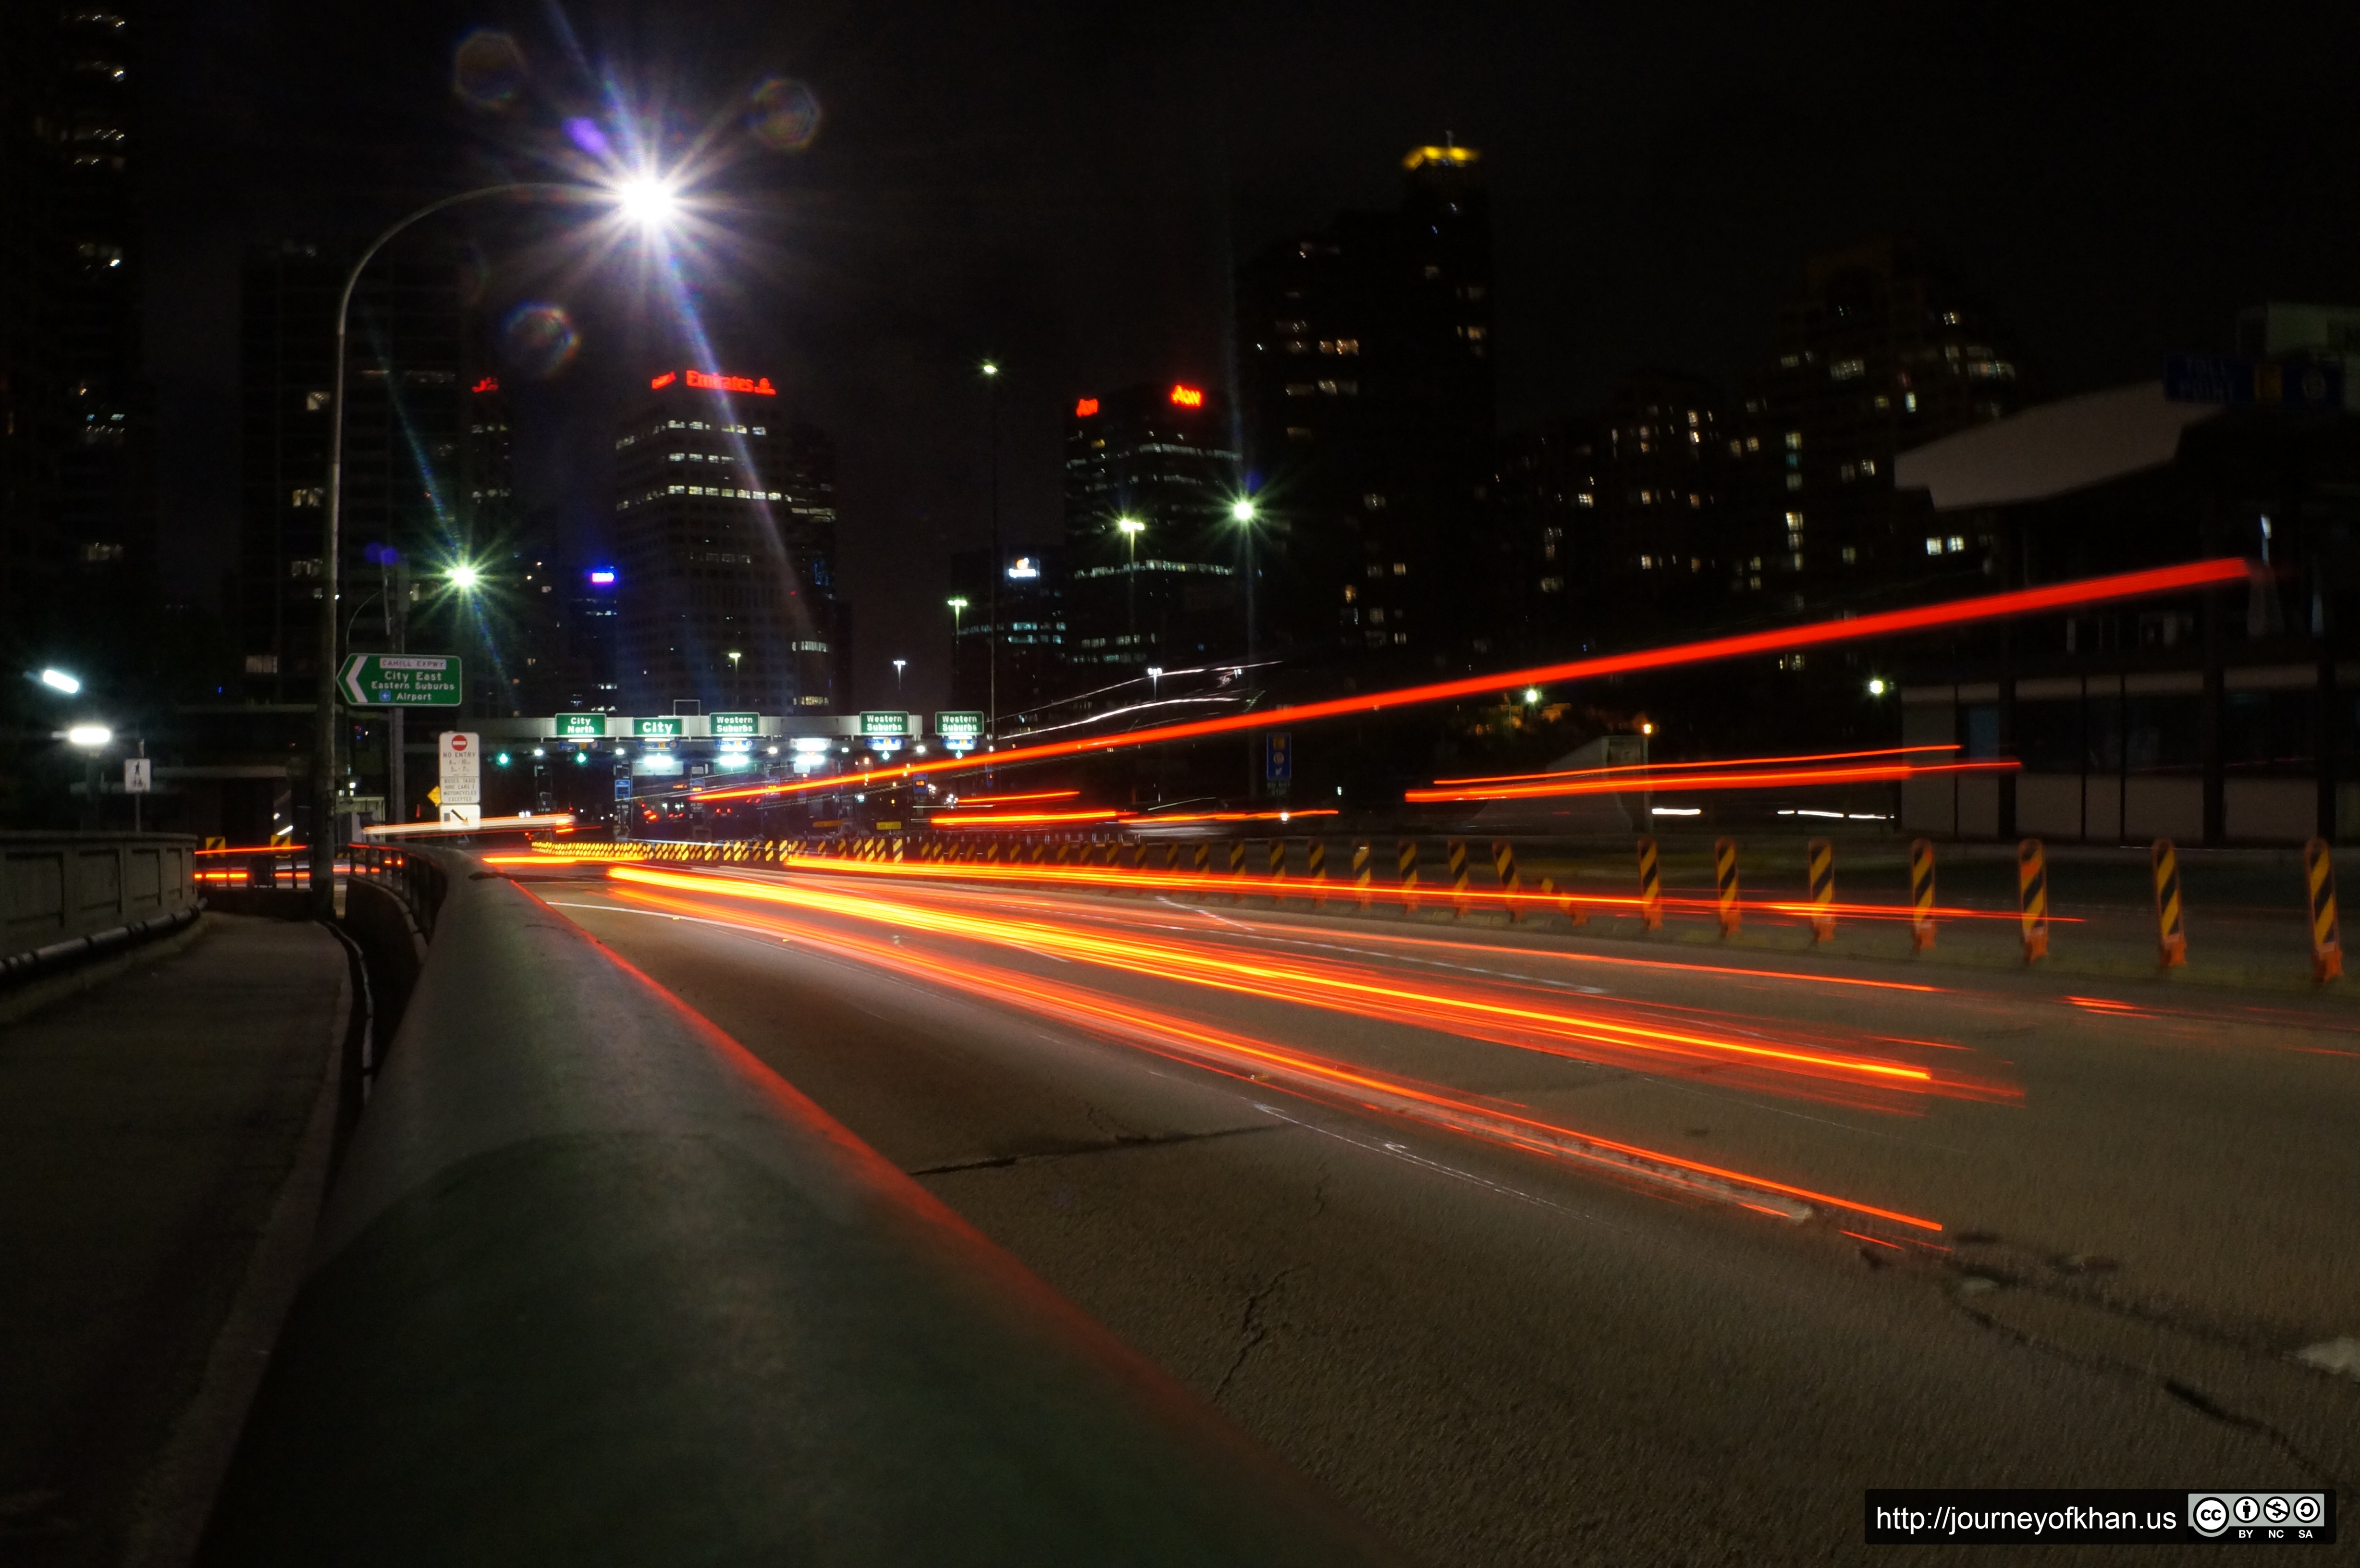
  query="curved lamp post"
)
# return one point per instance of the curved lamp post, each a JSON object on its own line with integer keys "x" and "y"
{"x": 651, "y": 202}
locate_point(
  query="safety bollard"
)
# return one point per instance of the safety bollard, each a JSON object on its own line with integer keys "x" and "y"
{"x": 2172, "y": 932}
{"x": 1203, "y": 857}
{"x": 1457, "y": 878}
{"x": 1921, "y": 895}
{"x": 1564, "y": 899}
{"x": 1315, "y": 861}
{"x": 1651, "y": 887}
{"x": 1278, "y": 873}
{"x": 1503, "y": 863}
{"x": 2032, "y": 897}
{"x": 1363, "y": 872}
{"x": 2326, "y": 935}
{"x": 1408, "y": 873}
{"x": 1724, "y": 876}
{"x": 1822, "y": 878}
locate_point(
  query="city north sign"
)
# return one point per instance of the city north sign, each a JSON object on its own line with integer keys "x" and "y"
{"x": 402, "y": 680}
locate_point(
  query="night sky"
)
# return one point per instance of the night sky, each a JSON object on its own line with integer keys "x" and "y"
{"x": 1066, "y": 187}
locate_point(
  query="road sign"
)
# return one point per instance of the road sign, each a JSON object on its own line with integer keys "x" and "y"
{"x": 136, "y": 775}
{"x": 459, "y": 755}
{"x": 360, "y": 805}
{"x": 462, "y": 816}
{"x": 659, "y": 728}
{"x": 402, "y": 680}
{"x": 719, "y": 726}
{"x": 581, "y": 726}
{"x": 963, "y": 727}
{"x": 888, "y": 725}
{"x": 1278, "y": 757}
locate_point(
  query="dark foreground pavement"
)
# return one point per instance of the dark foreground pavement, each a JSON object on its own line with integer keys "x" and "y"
{"x": 161, "y": 1134}
{"x": 1500, "y": 1360}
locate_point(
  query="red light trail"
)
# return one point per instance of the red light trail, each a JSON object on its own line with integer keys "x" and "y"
{"x": 1275, "y": 1068}
{"x": 1521, "y": 1017}
{"x": 1761, "y": 779}
{"x": 1817, "y": 633}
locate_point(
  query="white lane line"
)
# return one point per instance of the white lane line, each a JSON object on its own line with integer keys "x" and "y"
{"x": 1402, "y": 1152}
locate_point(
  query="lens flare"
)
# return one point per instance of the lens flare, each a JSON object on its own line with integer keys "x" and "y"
{"x": 782, "y": 114}
{"x": 538, "y": 338}
{"x": 487, "y": 70}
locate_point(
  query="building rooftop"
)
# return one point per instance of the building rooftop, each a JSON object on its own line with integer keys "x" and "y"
{"x": 2048, "y": 451}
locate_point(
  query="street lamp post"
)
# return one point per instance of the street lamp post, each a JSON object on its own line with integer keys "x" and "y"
{"x": 1243, "y": 513}
{"x": 1130, "y": 528}
{"x": 899, "y": 665}
{"x": 649, "y": 200}
{"x": 992, "y": 721}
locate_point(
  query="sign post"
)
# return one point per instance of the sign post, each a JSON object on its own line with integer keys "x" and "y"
{"x": 402, "y": 680}
{"x": 459, "y": 792}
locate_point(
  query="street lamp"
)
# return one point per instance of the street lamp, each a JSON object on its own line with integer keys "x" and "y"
{"x": 58, "y": 680}
{"x": 90, "y": 737}
{"x": 644, "y": 199}
{"x": 899, "y": 665}
{"x": 1243, "y": 513}
{"x": 1130, "y": 528}
{"x": 991, "y": 680}
{"x": 464, "y": 578}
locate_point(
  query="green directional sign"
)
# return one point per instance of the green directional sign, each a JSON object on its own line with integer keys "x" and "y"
{"x": 722, "y": 725}
{"x": 883, "y": 726}
{"x": 658, "y": 727}
{"x": 964, "y": 728}
{"x": 581, "y": 726}
{"x": 402, "y": 680}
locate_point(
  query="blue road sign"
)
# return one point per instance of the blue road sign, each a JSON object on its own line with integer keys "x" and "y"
{"x": 1278, "y": 758}
{"x": 2247, "y": 383}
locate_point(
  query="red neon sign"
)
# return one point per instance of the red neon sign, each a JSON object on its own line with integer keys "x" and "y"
{"x": 488, "y": 384}
{"x": 761, "y": 389}
{"x": 1188, "y": 397}
{"x": 660, "y": 382}
{"x": 1084, "y": 408}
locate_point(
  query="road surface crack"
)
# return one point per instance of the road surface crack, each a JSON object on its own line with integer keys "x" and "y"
{"x": 1115, "y": 1145}
{"x": 1252, "y": 1329}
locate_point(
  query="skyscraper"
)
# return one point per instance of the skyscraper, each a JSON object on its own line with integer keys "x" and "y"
{"x": 77, "y": 497}
{"x": 405, "y": 417}
{"x": 1366, "y": 379}
{"x": 1151, "y": 475}
{"x": 1882, "y": 350}
{"x": 724, "y": 551}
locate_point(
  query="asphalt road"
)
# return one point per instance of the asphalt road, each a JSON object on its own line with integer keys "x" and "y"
{"x": 1543, "y": 1250}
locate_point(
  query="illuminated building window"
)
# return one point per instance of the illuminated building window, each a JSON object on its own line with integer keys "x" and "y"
{"x": 1909, "y": 402}
{"x": 1303, "y": 388}
{"x": 1376, "y": 568}
{"x": 1351, "y": 592}
{"x": 1794, "y": 482}
{"x": 1847, "y": 370}
{"x": 1933, "y": 547}
{"x": 95, "y": 553}
{"x": 1954, "y": 544}
{"x": 1377, "y": 616}
{"x": 315, "y": 401}
{"x": 1400, "y": 567}
{"x": 309, "y": 495}
{"x": 1401, "y": 638}
{"x": 1375, "y": 501}
{"x": 1794, "y": 441}
{"x": 1587, "y": 500}
{"x": 1552, "y": 585}
{"x": 1851, "y": 555}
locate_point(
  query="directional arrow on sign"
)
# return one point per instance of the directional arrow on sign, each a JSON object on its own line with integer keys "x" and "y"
{"x": 402, "y": 680}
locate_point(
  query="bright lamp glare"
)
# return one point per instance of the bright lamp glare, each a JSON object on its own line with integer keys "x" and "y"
{"x": 58, "y": 680}
{"x": 647, "y": 201}
{"x": 464, "y": 578}
{"x": 92, "y": 735}
{"x": 1242, "y": 510}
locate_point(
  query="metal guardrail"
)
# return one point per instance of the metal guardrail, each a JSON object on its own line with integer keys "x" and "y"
{"x": 595, "y": 1286}
{"x": 413, "y": 876}
{"x": 63, "y": 894}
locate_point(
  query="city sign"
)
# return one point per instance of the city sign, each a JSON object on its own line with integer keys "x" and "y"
{"x": 1187, "y": 396}
{"x": 2246, "y": 382}
{"x": 581, "y": 726}
{"x": 1278, "y": 761}
{"x": 761, "y": 387}
{"x": 459, "y": 762}
{"x": 963, "y": 727}
{"x": 402, "y": 680}
{"x": 137, "y": 775}
{"x": 888, "y": 725}
{"x": 658, "y": 727}
{"x": 719, "y": 724}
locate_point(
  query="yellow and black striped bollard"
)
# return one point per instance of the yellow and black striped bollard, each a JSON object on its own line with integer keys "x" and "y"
{"x": 1823, "y": 856}
{"x": 1363, "y": 872}
{"x": 1407, "y": 863}
{"x": 1278, "y": 872}
{"x": 1315, "y": 870}
{"x": 2032, "y": 897}
{"x": 1651, "y": 887}
{"x": 1921, "y": 895}
{"x": 2170, "y": 927}
{"x": 1457, "y": 878}
{"x": 1503, "y": 863}
{"x": 2326, "y": 935}
{"x": 1724, "y": 876}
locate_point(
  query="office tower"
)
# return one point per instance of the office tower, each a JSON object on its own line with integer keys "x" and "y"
{"x": 1030, "y": 636}
{"x": 1365, "y": 374}
{"x": 724, "y": 551}
{"x": 1151, "y": 475}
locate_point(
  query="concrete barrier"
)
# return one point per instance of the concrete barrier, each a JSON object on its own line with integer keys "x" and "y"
{"x": 64, "y": 896}
{"x": 595, "y": 1286}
